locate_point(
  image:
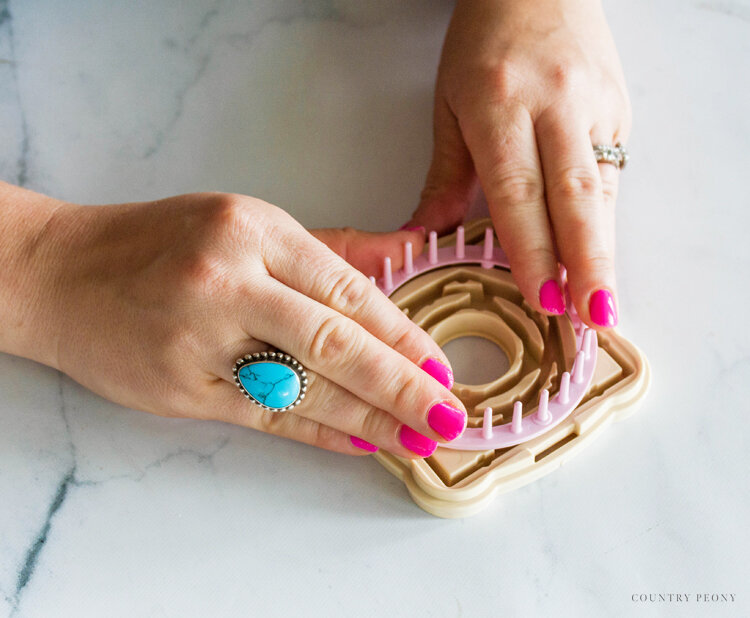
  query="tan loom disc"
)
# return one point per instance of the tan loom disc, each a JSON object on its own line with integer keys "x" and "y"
{"x": 460, "y": 301}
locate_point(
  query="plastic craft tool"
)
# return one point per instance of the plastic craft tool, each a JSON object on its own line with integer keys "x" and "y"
{"x": 564, "y": 384}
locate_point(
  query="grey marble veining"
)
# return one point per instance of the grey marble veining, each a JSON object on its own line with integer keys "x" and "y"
{"x": 323, "y": 107}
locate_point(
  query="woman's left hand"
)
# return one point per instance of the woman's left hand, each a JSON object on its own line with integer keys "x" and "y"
{"x": 523, "y": 91}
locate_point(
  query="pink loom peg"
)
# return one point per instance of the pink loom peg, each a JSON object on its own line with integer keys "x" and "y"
{"x": 432, "y": 251}
{"x": 516, "y": 425}
{"x": 408, "y": 263}
{"x": 578, "y": 367}
{"x": 387, "y": 273}
{"x": 542, "y": 413}
{"x": 564, "y": 394}
{"x": 487, "y": 424}
{"x": 488, "y": 244}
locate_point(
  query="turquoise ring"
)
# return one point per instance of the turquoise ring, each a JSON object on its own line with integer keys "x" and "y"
{"x": 273, "y": 380}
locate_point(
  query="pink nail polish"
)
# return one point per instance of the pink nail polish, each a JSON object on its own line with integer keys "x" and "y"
{"x": 363, "y": 444}
{"x": 416, "y": 442}
{"x": 440, "y": 372}
{"x": 551, "y": 298}
{"x": 448, "y": 421}
{"x": 602, "y": 309}
{"x": 412, "y": 228}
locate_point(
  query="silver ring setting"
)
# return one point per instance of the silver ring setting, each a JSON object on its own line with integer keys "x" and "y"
{"x": 274, "y": 381}
{"x": 617, "y": 155}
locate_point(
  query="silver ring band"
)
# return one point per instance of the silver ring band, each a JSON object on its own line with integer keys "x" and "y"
{"x": 617, "y": 155}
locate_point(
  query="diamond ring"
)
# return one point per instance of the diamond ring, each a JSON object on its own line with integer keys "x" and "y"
{"x": 616, "y": 155}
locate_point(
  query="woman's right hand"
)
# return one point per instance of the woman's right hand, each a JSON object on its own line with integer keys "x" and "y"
{"x": 150, "y": 304}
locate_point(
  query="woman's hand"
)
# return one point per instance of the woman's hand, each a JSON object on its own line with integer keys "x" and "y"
{"x": 150, "y": 305}
{"x": 523, "y": 91}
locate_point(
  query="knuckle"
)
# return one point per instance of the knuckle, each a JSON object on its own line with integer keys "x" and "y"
{"x": 349, "y": 233}
{"x": 495, "y": 84}
{"x": 206, "y": 274}
{"x": 348, "y": 292}
{"x": 565, "y": 76}
{"x": 598, "y": 263}
{"x": 406, "y": 391}
{"x": 520, "y": 187}
{"x": 227, "y": 211}
{"x": 408, "y": 339}
{"x": 373, "y": 423}
{"x": 272, "y": 422}
{"x": 333, "y": 342}
{"x": 578, "y": 183}
{"x": 238, "y": 223}
{"x": 411, "y": 341}
{"x": 323, "y": 436}
{"x": 540, "y": 255}
{"x": 503, "y": 80}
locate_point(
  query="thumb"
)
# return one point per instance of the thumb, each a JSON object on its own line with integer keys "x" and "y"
{"x": 451, "y": 183}
{"x": 366, "y": 250}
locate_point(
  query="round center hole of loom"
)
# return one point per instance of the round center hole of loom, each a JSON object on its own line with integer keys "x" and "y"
{"x": 476, "y": 360}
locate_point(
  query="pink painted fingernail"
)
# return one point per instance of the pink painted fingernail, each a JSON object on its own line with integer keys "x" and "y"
{"x": 416, "y": 442}
{"x": 439, "y": 371}
{"x": 602, "y": 308}
{"x": 412, "y": 228}
{"x": 448, "y": 421}
{"x": 363, "y": 444}
{"x": 551, "y": 298}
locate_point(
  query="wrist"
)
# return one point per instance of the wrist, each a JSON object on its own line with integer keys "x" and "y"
{"x": 33, "y": 260}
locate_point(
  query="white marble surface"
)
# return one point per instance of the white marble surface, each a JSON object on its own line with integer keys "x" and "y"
{"x": 323, "y": 107}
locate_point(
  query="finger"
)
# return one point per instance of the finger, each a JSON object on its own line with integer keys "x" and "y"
{"x": 451, "y": 183}
{"x": 582, "y": 219}
{"x": 503, "y": 145}
{"x": 602, "y": 133}
{"x": 305, "y": 264}
{"x": 366, "y": 250}
{"x": 228, "y": 405}
{"x": 329, "y": 404}
{"x": 339, "y": 349}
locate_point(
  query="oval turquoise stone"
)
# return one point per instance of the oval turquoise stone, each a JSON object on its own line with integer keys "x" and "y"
{"x": 273, "y": 384}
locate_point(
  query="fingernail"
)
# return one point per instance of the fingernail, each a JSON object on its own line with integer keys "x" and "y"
{"x": 551, "y": 298}
{"x": 448, "y": 421}
{"x": 363, "y": 444}
{"x": 439, "y": 371}
{"x": 416, "y": 442}
{"x": 413, "y": 228}
{"x": 602, "y": 308}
